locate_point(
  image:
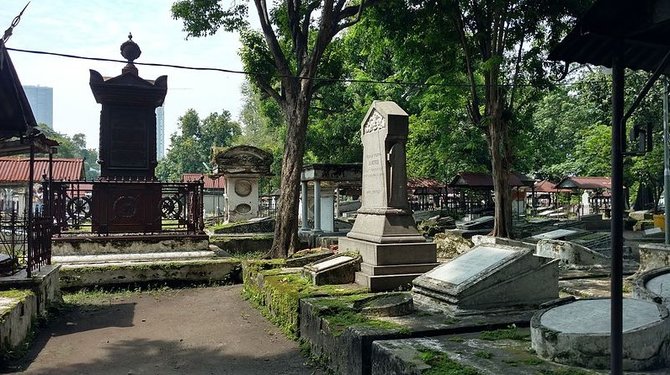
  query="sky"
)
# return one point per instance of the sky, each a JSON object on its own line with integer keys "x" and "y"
{"x": 96, "y": 28}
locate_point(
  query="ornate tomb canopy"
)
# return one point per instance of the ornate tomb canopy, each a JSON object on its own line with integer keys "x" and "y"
{"x": 128, "y": 118}
{"x": 242, "y": 160}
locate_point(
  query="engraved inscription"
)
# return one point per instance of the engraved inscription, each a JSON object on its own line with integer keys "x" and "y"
{"x": 375, "y": 122}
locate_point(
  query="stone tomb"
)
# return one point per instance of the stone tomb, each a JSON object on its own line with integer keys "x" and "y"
{"x": 384, "y": 233}
{"x": 578, "y": 334}
{"x": 241, "y": 166}
{"x": 490, "y": 278}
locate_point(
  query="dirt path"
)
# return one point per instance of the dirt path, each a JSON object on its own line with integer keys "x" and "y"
{"x": 180, "y": 331}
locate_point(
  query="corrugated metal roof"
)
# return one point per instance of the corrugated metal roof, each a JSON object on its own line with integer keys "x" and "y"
{"x": 210, "y": 183}
{"x": 588, "y": 183}
{"x": 641, "y": 27}
{"x": 17, "y": 169}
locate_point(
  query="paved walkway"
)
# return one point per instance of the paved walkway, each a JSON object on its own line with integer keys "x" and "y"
{"x": 181, "y": 331}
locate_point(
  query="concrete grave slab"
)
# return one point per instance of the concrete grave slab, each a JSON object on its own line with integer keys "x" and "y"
{"x": 490, "y": 278}
{"x": 578, "y": 333}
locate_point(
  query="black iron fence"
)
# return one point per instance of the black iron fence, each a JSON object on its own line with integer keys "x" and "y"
{"x": 126, "y": 206}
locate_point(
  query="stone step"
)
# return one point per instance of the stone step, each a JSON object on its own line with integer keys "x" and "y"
{"x": 125, "y": 258}
{"x": 206, "y": 269}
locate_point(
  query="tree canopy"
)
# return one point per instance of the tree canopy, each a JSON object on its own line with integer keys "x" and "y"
{"x": 190, "y": 149}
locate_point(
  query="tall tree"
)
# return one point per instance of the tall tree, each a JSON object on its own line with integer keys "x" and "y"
{"x": 285, "y": 60}
{"x": 503, "y": 44}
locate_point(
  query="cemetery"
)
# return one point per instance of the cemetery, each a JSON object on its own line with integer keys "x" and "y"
{"x": 366, "y": 266}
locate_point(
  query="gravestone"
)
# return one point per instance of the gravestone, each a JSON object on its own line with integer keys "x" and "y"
{"x": 242, "y": 167}
{"x": 384, "y": 233}
{"x": 127, "y": 148}
{"x": 336, "y": 269}
{"x": 490, "y": 277}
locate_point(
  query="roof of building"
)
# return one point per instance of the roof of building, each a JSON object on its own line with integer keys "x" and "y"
{"x": 640, "y": 27}
{"x": 18, "y": 169}
{"x": 546, "y": 186}
{"x": 210, "y": 183}
{"x": 16, "y": 116}
{"x": 586, "y": 183}
{"x": 479, "y": 180}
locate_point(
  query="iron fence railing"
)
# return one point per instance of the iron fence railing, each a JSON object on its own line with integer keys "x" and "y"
{"x": 126, "y": 206}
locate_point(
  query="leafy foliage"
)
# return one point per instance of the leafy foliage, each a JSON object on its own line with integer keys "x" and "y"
{"x": 190, "y": 149}
{"x": 74, "y": 147}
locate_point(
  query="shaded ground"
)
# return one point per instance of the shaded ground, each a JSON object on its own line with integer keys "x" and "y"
{"x": 179, "y": 331}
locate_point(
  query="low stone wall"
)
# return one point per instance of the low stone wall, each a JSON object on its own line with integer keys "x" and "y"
{"x": 44, "y": 284}
{"x": 243, "y": 244}
{"x": 211, "y": 270}
{"x": 93, "y": 245}
{"x": 18, "y": 310}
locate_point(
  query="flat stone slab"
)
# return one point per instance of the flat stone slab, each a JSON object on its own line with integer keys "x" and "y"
{"x": 320, "y": 266}
{"x": 555, "y": 234}
{"x": 578, "y": 333}
{"x": 470, "y": 264}
{"x": 593, "y": 316}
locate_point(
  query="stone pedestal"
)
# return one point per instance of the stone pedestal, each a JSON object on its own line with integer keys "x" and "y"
{"x": 384, "y": 233}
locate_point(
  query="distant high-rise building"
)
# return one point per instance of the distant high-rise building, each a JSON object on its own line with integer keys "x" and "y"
{"x": 41, "y": 101}
{"x": 160, "y": 133}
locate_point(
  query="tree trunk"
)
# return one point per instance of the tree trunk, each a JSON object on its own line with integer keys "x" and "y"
{"x": 286, "y": 227}
{"x": 502, "y": 199}
{"x": 498, "y": 142}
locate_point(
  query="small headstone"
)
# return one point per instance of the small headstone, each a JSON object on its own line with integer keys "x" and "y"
{"x": 337, "y": 269}
{"x": 490, "y": 277}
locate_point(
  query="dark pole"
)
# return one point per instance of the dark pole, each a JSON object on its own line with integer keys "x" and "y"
{"x": 29, "y": 223}
{"x": 616, "y": 287}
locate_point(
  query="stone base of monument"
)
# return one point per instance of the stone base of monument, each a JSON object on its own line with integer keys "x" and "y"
{"x": 578, "y": 333}
{"x": 491, "y": 278}
{"x": 653, "y": 286}
{"x": 389, "y": 266}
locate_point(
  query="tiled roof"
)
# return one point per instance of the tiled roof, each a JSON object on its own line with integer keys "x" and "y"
{"x": 588, "y": 183}
{"x": 210, "y": 183}
{"x": 477, "y": 180}
{"x": 17, "y": 169}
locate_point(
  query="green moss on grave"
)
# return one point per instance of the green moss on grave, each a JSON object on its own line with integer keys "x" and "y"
{"x": 441, "y": 364}
{"x": 277, "y": 294}
{"x": 510, "y": 333}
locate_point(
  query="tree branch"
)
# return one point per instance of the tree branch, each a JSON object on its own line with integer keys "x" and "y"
{"x": 475, "y": 113}
{"x": 271, "y": 38}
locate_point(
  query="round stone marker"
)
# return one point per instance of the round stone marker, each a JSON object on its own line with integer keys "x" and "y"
{"x": 578, "y": 333}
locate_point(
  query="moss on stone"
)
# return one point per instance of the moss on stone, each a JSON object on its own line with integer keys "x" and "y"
{"x": 510, "y": 333}
{"x": 277, "y": 294}
{"x": 441, "y": 364}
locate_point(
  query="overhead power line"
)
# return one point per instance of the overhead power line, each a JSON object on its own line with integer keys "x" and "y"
{"x": 232, "y": 71}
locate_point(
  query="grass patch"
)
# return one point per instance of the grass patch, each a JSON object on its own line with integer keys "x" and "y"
{"x": 483, "y": 354}
{"x": 564, "y": 371}
{"x": 441, "y": 364}
{"x": 510, "y": 333}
